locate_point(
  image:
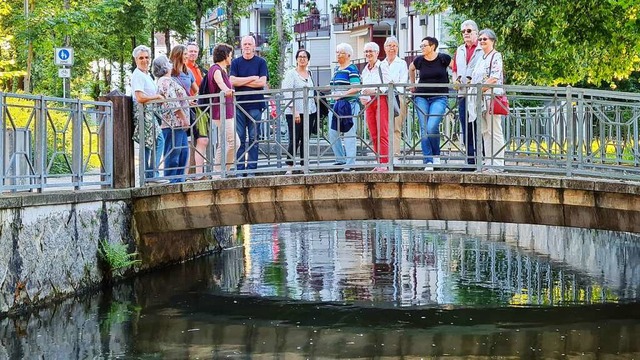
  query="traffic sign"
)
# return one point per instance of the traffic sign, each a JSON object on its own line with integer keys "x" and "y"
{"x": 63, "y": 56}
{"x": 64, "y": 73}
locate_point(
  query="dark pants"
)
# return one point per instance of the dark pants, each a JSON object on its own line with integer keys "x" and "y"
{"x": 296, "y": 138}
{"x": 469, "y": 131}
{"x": 248, "y": 134}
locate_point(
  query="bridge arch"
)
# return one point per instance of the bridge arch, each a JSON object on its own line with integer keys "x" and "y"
{"x": 507, "y": 198}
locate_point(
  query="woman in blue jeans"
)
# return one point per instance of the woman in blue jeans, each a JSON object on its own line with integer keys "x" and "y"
{"x": 431, "y": 102}
{"x": 175, "y": 120}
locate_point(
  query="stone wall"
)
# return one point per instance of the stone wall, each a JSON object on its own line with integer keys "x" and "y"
{"x": 49, "y": 244}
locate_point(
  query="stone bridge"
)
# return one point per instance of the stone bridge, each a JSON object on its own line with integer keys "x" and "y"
{"x": 507, "y": 198}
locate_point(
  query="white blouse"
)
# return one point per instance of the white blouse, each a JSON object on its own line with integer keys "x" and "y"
{"x": 293, "y": 80}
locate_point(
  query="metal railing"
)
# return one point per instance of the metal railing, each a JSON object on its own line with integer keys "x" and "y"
{"x": 61, "y": 143}
{"x": 49, "y": 142}
{"x": 565, "y": 131}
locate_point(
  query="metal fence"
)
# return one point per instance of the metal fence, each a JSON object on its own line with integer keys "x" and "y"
{"x": 549, "y": 130}
{"x": 62, "y": 143}
{"x": 49, "y": 142}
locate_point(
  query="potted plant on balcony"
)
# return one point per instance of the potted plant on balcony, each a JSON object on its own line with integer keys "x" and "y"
{"x": 312, "y": 7}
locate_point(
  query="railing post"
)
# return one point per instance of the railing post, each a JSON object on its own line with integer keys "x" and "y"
{"x": 40, "y": 156}
{"x": 120, "y": 129}
{"x": 3, "y": 134}
{"x": 305, "y": 128}
{"x": 141, "y": 144}
{"x": 479, "y": 146}
{"x": 570, "y": 130}
{"x": 277, "y": 137}
{"x": 391, "y": 100}
{"x": 75, "y": 111}
{"x": 222, "y": 131}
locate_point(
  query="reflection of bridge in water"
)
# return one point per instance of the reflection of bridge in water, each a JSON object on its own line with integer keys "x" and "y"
{"x": 437, "y": 263}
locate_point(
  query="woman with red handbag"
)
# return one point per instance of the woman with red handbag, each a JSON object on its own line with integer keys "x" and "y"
{"x": 489, "y": 70}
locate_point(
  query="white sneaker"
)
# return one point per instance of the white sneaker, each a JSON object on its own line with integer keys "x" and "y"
{"x": 436, "y": 161}
{"x": 428, "y": 168}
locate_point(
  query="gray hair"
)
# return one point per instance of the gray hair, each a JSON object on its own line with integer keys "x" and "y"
{"x": 469, "y": 23}
{"x": 490, "y": 34}
{"x": 372, "y": 46}
{"x": 161, "y": 66}
{"x": 391, "y": 40}
{"x": 346, "y": 48}
{"x": 139, "y": 49}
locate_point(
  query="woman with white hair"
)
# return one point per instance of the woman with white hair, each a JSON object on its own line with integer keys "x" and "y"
{"x": 175, "y": 119}
{"x": 143, "y": 90}
{"x": 375, "y": 101}
{"x": 489, "y": 71}
{"x": 344, "y": 75}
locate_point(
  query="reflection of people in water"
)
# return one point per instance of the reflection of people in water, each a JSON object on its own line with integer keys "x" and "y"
{"x": 352, "y": 234}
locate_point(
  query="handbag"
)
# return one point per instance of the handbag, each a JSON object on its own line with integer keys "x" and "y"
{"x": 499, "y": 104}
{"x": 394, "y": 99}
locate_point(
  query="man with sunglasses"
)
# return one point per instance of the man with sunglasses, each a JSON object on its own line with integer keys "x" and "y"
{"x": 463, "y": 63}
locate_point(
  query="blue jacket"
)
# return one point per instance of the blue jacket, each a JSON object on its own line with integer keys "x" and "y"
{"x": 342, "y": 112}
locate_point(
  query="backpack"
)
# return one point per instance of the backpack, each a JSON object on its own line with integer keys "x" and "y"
{"x": 204, "y": 103}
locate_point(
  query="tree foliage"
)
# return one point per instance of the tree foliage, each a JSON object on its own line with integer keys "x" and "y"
{"x": 554, "y": 42}
{"x": 279, "y": 39}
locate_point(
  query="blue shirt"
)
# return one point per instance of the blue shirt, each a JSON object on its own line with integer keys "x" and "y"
{"x": 241, "y": 67}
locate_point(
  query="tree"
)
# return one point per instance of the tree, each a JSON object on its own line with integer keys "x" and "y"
{"x": 278, "y": 41}
{"x": 554, "y": 42}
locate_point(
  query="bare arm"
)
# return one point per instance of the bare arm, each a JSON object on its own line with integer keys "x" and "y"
{"x": 217, "y": 77}
{"x": 237, "y": 81}
{"x": 143, "y": 98}
{"x": 412, "y": 76}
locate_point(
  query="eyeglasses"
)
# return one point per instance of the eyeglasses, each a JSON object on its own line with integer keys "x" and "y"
{"x": 424, "y": 46}
{"x": 468, "y": 31}
{"x": 483, "y": 39}
{"x": 391, "y": 46}
{"x": 341, "y": 53}
{"x": 368, "y": 51}
{"x": 302, "y": 57}
{"x": 143, "y": 58}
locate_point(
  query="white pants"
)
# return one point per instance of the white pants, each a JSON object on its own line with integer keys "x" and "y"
{"x": 493, "y": 139}
{"x": 227, "y": 139}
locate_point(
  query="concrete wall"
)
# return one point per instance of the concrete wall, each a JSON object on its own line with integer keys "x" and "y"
{"x": 49, "y": 243}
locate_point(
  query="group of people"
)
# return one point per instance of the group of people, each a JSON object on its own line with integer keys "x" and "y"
{"x": 168, "y": 124}
{"x": 240, "y": 79}
{"x": 475, "y": 62}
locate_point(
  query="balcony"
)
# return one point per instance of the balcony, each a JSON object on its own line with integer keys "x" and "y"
{"x": 313, "y": 25}
{"x": 371, "y": 11}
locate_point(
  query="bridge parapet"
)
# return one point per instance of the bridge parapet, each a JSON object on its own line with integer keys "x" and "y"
{"x": 358, "y": 196}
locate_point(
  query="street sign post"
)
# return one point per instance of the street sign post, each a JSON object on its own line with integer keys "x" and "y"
{"x": 63, "y": 56}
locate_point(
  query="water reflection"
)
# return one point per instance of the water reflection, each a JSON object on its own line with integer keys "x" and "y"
{"x": 369, "y": 290}
{"x": 439, "y": 263}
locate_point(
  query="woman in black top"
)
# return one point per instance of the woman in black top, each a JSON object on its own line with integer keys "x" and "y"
{"x": 431, "y": 102}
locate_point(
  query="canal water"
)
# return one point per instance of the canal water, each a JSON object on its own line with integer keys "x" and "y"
{"x": 363, "y": 290}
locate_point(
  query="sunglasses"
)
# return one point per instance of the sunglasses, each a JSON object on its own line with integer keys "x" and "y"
{"x": 468, "y": 31}
{"x": 483, "y": 39}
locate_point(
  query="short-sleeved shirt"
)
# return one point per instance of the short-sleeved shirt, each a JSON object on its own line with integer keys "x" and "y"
{"x": 185, "y": 79}
{"x": 432, "y": 72}
{"x": 197, "y": 74}
{"x": 343, "y": 78}
{"x": 241, "y": 67}
{"x": 142, "y": 82}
